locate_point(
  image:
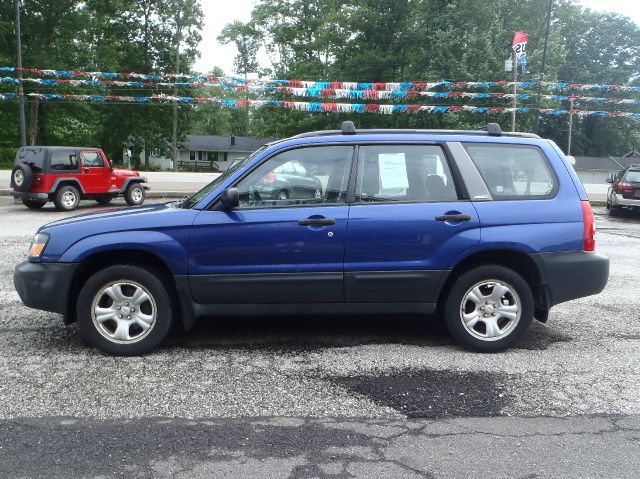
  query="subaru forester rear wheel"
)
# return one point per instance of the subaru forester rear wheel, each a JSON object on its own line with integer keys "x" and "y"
{"x": 489, "y": 308}
{"x": 124, "y": 310}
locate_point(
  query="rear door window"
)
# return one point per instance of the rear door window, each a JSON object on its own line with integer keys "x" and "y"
{"x": 403, "y": 173}
{"x": 63, "y": 160}
{"x": 513, "y": 172}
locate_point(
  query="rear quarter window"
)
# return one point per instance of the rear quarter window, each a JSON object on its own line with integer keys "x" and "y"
{"x": 514, "y": 172}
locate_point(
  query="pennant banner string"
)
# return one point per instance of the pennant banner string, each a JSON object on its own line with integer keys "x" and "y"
{"x": 325, "y": 92}
{"x": 402, "y": 86}
{"x": 314, "y": 106}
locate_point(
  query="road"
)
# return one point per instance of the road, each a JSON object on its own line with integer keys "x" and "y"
{"x": 184, "y": 183}
{"x": 325, "y": 397}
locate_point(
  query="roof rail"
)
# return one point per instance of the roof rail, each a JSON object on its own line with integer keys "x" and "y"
{"x": 348, "y": 128}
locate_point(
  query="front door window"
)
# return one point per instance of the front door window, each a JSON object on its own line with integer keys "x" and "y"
{"x": 304, "y": 176}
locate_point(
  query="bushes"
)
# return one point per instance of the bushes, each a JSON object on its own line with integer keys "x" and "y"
{"x": 7, "y": 155}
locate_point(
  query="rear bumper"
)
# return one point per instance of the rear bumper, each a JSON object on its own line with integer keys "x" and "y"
{"x": 44, "y": 286}
{"x": 27, "y": 195}
{"x": 619, "y": 200}
{"x": 570, "y": 275}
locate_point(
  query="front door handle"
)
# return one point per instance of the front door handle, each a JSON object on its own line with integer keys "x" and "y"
{"x": 454, "y": 217}
{"x": 317, "y": 222}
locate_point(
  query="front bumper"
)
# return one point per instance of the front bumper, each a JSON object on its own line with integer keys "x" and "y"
{"x": 44, "y": 286}
{"x": 572, "y": 274}
{"x": 27, "y": 195}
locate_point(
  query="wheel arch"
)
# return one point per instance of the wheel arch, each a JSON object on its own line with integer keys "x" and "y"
{"x": 517, "y": 261}
{"x": 130, "y": 256}
{"x": 60, "y": 182}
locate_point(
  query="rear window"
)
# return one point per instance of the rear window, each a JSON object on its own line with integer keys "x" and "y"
{"x": 31, "y": 156}
{"x": 513, "y": 172}
{"x": 632, "y": 176}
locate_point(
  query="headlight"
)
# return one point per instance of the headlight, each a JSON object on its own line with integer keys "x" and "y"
{"x": 38, "y": 244}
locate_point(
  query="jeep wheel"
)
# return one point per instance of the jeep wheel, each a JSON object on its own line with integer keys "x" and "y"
{"x": 33, "y": 204}
{"x": 67, "y": 198}
{"x": 489, "y": 308}
{"x": 103, "y": 200}
{"x": 124, "y": 310}
{"x": 22, "y": 177}
{"x": 134, "y": 194}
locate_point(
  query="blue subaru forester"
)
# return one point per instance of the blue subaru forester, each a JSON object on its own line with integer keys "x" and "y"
{"x": 487, "y": 229}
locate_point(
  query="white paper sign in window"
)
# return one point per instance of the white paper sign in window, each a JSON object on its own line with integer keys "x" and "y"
{"x": 393, "y": 170}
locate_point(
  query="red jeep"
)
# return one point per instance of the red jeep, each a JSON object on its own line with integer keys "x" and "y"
{"x": 67, "y": 174}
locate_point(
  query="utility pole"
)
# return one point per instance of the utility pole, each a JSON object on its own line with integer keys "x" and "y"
{"x": 514, "y": 102}
{"x": 544, "y": 64}
{"x": 23, "y": 130}
{"x": 174, "y": 136}
{"x": 570, "y": 126}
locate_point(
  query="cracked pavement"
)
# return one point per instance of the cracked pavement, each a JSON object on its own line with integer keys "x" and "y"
{"x": 325, "y": 397}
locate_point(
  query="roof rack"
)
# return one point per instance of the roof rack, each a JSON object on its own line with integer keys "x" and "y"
{"x": 348, "y": 128}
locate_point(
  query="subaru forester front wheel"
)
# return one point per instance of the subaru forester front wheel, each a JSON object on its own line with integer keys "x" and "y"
{"x": 124, "y": 310}
{"x": 489, "y": 308}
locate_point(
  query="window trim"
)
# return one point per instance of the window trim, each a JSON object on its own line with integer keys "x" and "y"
{"x": 549, "y": 196}
{"x": 461, "y": 191}
{"x": 216, "y": 204}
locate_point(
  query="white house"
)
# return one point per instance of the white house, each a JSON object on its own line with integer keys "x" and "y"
{"x": 208, "y": 152}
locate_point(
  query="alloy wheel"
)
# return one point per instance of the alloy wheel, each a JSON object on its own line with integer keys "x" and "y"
{"x": 124, "y": 312}
{"x": 490, "y": 310}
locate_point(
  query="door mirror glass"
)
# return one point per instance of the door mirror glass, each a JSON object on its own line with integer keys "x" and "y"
{"x": 230, "y": 198}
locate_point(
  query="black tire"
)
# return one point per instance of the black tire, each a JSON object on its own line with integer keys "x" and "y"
{"x": 63, "y": 196}
{"x": 103, "y": 200}
{"x": 134, "y": 194}
{"x": 513, "y": 333}
{"x": 33, "y": 204}
{"x": 22, "y": 177}
{"x": 149, "y": 280}
{"x": 283, "y": 195}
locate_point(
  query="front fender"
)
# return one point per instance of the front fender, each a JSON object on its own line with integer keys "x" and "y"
{"x": 172, "y": 248}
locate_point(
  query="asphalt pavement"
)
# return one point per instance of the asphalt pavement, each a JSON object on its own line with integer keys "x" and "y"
{"x": 375, "y": 396}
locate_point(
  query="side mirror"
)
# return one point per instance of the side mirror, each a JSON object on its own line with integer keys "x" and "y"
{"x": 572, "y": 160}
{"x": 230, "y": 198}
{"x": 609, "y": 179}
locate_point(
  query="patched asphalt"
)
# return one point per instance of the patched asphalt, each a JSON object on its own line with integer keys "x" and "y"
{"x": 583, "y": 364}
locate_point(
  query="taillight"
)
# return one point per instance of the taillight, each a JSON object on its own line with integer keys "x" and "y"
{"x": 269, "y": 178}
{"x": 620, "y": 187}
{"x": 589, "y": 235}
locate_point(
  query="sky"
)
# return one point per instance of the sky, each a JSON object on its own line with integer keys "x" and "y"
{"x": 217, "y": 13}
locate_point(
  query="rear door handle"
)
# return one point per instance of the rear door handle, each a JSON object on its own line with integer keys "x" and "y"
{"x": 317, "y": 222}
{"x": 453, "y": 217}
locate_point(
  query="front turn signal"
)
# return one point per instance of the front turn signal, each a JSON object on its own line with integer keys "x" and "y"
{"x": 38, "y": 244}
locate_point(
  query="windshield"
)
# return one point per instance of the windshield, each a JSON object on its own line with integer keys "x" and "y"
{"x": 196, "y": 198}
